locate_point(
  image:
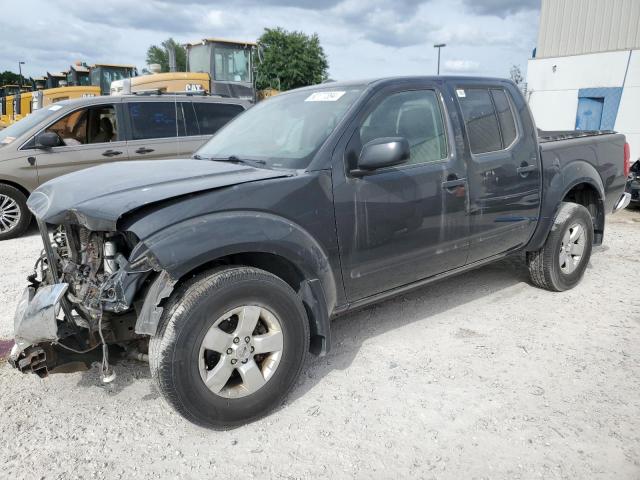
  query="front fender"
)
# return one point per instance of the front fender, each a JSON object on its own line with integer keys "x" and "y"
{"x": 557, "y": 182}
{"x": 185, "y": 246}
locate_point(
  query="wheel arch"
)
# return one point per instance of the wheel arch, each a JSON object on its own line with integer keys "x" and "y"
{"x": 253, "y": 239}
{"x": 565, "y": 185}
{"x": 15, "y": 185}
{"x": 587, "y": 195}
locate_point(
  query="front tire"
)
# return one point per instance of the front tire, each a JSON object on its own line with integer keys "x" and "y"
{"x": 560, "y": 264}
{"x": 14, "y": 215}
{"x": 229, "y": 346}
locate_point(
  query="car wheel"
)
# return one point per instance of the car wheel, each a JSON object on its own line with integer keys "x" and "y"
{"x": 560, "y": 264}
{"x": 229, "y": 346}
{"x": 14, "y": 215}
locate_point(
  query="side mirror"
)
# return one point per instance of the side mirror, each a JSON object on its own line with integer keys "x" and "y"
{"x": 382, "y": 152}
{"x": 47, "y": 140}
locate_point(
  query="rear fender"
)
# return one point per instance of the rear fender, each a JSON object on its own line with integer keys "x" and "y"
{"x": 557, "y": 183}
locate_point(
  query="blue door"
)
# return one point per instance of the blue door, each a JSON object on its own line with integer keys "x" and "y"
{"x": 589, "y": 115}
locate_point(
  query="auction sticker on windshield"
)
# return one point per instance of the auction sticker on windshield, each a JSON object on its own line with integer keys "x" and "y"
{"x": 324, "y": 96}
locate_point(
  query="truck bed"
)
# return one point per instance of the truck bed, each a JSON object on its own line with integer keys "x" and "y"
{"x": 545, "y": 136}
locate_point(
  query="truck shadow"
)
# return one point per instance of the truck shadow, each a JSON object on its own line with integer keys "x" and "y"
{"x": 128, "y": 372}
{"x": 350, "y": 331}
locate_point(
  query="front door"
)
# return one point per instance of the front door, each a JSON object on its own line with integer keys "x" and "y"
{"x": 89, "y": 136}
{"x": 401, "y": 224}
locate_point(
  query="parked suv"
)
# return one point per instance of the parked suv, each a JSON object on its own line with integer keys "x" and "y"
{"x": 76, "y": 134}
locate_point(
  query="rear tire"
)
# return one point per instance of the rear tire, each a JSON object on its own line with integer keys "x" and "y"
{"x": 14, "y": 214}
{"x": 202, "y": 338}
{"x": 560, "y": 264}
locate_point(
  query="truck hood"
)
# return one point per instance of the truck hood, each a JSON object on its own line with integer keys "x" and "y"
{"x": 97, "y": 197}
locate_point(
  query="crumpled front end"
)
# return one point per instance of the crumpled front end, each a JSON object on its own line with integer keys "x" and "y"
{"x": 79, "y": 301}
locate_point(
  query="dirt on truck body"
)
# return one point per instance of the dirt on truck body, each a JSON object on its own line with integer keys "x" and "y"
{"x": 230, "y": 265}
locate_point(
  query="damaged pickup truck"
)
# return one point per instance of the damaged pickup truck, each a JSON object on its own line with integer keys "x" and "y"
{"x": 227, "y": 268}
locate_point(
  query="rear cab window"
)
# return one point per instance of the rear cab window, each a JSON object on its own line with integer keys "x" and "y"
{"x": 489, "y": 119}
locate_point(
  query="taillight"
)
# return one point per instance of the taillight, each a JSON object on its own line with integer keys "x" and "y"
{"x": 627, "y": 159}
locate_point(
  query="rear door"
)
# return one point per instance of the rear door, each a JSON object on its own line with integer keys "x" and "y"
{"x": 91, "y": 135}
{"x": 154, "y": 128}
{"x": 504, "y": 168}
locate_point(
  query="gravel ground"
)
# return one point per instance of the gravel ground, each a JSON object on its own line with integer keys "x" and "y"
{"x": 479, "y": 376}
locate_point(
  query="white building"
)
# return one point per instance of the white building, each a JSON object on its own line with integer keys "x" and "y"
{"x": 585, "y": 73}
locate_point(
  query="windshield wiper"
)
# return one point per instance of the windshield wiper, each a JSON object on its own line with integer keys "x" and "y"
{"x": 199, "y": 157}
{"x": 235, "y": 159}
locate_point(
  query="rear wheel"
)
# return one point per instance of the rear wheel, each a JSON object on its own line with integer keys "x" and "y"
{"x": 14, "y": 215}
{"x": 560, "y": 264}
{"x": 230, "y": 346}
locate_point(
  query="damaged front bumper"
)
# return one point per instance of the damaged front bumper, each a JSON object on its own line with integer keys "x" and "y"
{"x": 36, "y": 322}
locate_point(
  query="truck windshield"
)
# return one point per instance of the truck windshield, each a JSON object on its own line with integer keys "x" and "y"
{"x": 11, "y": 133}
{"x": 284, "y": 131}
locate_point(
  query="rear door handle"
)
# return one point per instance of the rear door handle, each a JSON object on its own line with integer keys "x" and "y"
{"x": 111, "y": 153}
{"x": 143, "y": 150}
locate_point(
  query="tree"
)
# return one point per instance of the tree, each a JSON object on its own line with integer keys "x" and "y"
{"x": 160, "y": 55}
{"x": 10, "y": 78}
{"x": 290, "y": 60}
{"x": 516, "y": 75}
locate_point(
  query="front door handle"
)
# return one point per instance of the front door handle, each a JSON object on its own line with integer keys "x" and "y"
{"x": 143, "y": 150}
{"x": 525, "y": 169}
{"x": 452, "y": 183}
{"x": 111, "y": 153}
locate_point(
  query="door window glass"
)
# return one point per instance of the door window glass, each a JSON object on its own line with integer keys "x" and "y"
{"x": 231, "y": 64}
{"x": 72, "y": 129}
{"x": 153, "y": 120}
{"x": 188, "y": 125}
{"x": 414, "y": 115}
{"x": 89, "y": 125}
{"x": 102, "y": 126}
{"x": 505, "y": 117}
{"x": 212, "y": 116}
{"x": 480, "y": 120}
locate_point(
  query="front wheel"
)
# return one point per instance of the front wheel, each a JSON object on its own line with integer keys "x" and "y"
{"x": 229, "y": 346}
{"x": 560, "y": 264}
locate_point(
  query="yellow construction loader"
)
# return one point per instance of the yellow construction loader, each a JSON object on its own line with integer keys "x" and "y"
{"x": 173, "y": 82}
{"x": 214, "y": 66}
{"x": 103, "y": 74}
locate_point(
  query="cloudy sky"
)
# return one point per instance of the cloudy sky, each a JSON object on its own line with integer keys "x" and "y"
{"x": 362, "y": 38}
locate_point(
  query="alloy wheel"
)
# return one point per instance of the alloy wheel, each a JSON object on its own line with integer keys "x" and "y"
{"x": 241, "y": 351}
{"x": 572, "y": 248}
{"x": 9, "y": 213}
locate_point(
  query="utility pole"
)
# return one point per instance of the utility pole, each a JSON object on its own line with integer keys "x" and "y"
{"x": 20, "y": 70}
{"x": 439, "y": 47}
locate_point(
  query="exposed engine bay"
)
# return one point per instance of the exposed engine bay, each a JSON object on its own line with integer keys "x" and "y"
{"x": 80, "y": 297}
